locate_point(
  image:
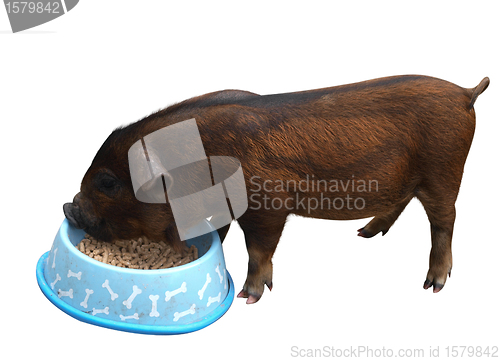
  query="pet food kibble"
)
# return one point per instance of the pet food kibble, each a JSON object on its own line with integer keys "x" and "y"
{"x": 105, "y": 256}
{"x": 137, "y": 254}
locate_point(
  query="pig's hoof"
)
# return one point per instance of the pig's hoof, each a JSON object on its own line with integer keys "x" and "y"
{"x": 269, "y": 285}
{"x": 253, "y": 297}
{"x": 436, "y": 286}
{"x": 436, "y": 279}
{"x": 374, "y": 227}
{"x": 363, "y": 232}
{"x": 250, "y": 298}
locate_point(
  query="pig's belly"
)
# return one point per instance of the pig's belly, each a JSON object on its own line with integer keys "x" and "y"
{"x": 356, "y": 203}
{"x": 340, "y": 206}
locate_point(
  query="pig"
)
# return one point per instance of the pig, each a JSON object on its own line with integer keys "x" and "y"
{"x": 406, "y": 136}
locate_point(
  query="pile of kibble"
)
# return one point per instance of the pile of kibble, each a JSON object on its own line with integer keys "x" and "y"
{"x": 137, "y": 254}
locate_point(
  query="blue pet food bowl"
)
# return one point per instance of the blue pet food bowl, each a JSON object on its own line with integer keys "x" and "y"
{"x": 165, "y": 301}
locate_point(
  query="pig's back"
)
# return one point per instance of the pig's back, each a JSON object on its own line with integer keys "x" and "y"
{"x": 382, "y": 89}
{"x": 391, "y": 126}
{"x": 359, "y": 121}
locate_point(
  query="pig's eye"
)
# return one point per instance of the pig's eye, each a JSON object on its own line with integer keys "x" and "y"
{"x": 108, "y": 183}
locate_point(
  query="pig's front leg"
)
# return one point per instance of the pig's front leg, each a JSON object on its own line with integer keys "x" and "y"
{"x": 262, "y": 234}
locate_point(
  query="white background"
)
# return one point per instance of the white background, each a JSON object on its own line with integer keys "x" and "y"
{"x": 65, "y": 85}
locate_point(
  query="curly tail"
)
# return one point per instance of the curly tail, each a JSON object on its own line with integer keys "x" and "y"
{"x": 475, "y": 92}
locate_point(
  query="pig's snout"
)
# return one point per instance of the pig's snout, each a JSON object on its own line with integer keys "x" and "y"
{"x": 70, "y": 211}
{"x": 73, "y": 212}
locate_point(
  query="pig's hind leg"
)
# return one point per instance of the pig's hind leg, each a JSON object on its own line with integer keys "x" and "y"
{"x": 261, "y": 237}
{"x": 440, "y": 209}
{"x": 383, "y": 223}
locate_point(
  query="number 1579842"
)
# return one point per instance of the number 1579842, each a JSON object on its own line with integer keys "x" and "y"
{"x": 16, "y": 7}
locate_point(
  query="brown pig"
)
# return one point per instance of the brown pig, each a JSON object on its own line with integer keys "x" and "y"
{"x": 345, "y": 152}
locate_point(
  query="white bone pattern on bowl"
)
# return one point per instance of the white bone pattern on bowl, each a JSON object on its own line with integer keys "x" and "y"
{"x": 153, "y": 312}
